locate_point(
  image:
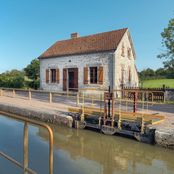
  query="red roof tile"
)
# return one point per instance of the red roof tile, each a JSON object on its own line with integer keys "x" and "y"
{"x": 88, "y": 44}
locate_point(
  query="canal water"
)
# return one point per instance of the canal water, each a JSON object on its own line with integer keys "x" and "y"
{"x": 81, "y": 152}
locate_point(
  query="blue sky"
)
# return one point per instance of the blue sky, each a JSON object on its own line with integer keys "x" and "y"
{"x": 29, "y": 27}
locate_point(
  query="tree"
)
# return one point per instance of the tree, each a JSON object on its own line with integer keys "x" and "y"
{"x": 168, "y": 41}
{"x": 147, "y": 74}
{"x": 169, "y": 68}
{"x": 32, "y": 72}
{"x": 12, "y": 79}
{"x": 160, "y": 73}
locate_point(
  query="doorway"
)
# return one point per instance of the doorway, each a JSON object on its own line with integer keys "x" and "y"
{"x": 70, "y": 79}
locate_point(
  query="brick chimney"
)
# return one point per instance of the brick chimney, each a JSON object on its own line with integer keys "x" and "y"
{"x": 74, "y": 35}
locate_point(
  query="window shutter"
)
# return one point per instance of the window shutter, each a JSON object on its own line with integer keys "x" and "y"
{"x": 64, "y": 79}
{"x": 100, "y": 75}
{"x": 129, "y": 75}
{"x": 57, "y": 76}
{"x": 85, "y": 75}
{"x": 47, "y": 75}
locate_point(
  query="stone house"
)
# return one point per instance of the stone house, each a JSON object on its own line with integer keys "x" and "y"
{"x": 95, "y": 61}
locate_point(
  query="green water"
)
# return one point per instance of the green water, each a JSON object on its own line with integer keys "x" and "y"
{"x": 81, "y": 152}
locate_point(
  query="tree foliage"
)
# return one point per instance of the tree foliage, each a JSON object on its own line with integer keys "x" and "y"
{"x": 28, "y": 78}
{"x": 12, "y": 79}
{"x": 168, "y": 41}
{"x": 160, "y": 73}
{"x": 32, "y": 70}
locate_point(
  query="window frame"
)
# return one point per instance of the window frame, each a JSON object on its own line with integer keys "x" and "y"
{"x": 53, "y": 75}
{"x": 93, "y": 75}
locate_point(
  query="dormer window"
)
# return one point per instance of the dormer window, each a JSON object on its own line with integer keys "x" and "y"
{"x": 122, "y": 50}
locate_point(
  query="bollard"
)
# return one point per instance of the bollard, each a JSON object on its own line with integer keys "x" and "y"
{"x": 50, "y": 97}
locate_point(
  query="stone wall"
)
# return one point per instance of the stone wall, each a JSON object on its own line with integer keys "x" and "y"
{"x": 126, "y": 62}
{"x": 77, "y": 61}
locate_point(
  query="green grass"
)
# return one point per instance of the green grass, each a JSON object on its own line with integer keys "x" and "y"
{"x": 158, "y": 83}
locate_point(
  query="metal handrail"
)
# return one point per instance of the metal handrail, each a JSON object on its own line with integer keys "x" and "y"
{"x": 27, "y": 121}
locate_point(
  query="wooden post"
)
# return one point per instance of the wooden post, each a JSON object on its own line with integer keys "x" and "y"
{"x": 92, "y": 100}
{"x": 142, "y": 124}
{"x": 99, "y": 122}
{"x": 29, "y": 94}
{"x": 119, "y": 121}
{"x": 67, "y": 92}
{"x": 135, "y": 102}
{"x": 119, "y": 116}
{"x": 14, "y": 93}
{"x": 83, "y": 109}
{"x": 1, "y": 92}
{"x": 100, "y": 106}
{"x": 50, "y": 97}
{"x": 77, "y": 101}
{"x": 113, "y": 111}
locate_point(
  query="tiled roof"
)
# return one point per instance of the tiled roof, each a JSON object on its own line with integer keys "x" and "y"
{"x": 88, "y": 44}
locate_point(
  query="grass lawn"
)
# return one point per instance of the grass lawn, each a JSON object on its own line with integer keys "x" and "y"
{"x": 158, "y": 83}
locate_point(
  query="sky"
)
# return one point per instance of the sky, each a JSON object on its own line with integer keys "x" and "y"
{"x": 29, "y": 27}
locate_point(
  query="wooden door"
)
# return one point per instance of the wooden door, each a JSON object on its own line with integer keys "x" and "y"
{"x": 64, "y": 79}
{"x": 73, "y": 79}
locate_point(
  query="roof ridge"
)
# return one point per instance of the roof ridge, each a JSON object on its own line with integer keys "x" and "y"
{"x": 91, "y": 43}
{"x": 90, "y": 35}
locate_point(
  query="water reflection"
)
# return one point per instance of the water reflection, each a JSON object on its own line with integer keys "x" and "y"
{"x": 82, "y": 152}
{"x": 110, "y": 155}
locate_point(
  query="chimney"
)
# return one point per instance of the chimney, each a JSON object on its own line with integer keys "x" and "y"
{"x": 74, "y": 35}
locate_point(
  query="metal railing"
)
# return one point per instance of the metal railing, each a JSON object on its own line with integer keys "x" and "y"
{"x": 27, "y": 121}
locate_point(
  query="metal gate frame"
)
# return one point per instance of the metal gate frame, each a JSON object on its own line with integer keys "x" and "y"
{"x": 28, "y": 121}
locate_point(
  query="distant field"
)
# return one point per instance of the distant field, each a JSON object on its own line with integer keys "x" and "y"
{"x": 158, "y": 83}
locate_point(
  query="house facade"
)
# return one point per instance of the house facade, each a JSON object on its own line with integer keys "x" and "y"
{"x": 96, "y": 61}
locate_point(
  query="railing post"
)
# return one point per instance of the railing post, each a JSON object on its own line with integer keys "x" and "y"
{"x": 25, "y": 148}
{"x": 119, "y": 116}
{"x": 83, "y": 108}
{"x": 135, "y": 102}
{"x": 50, "y": 97}
{"x": 77, "y": 102}
{"x": 142, "y": 124}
